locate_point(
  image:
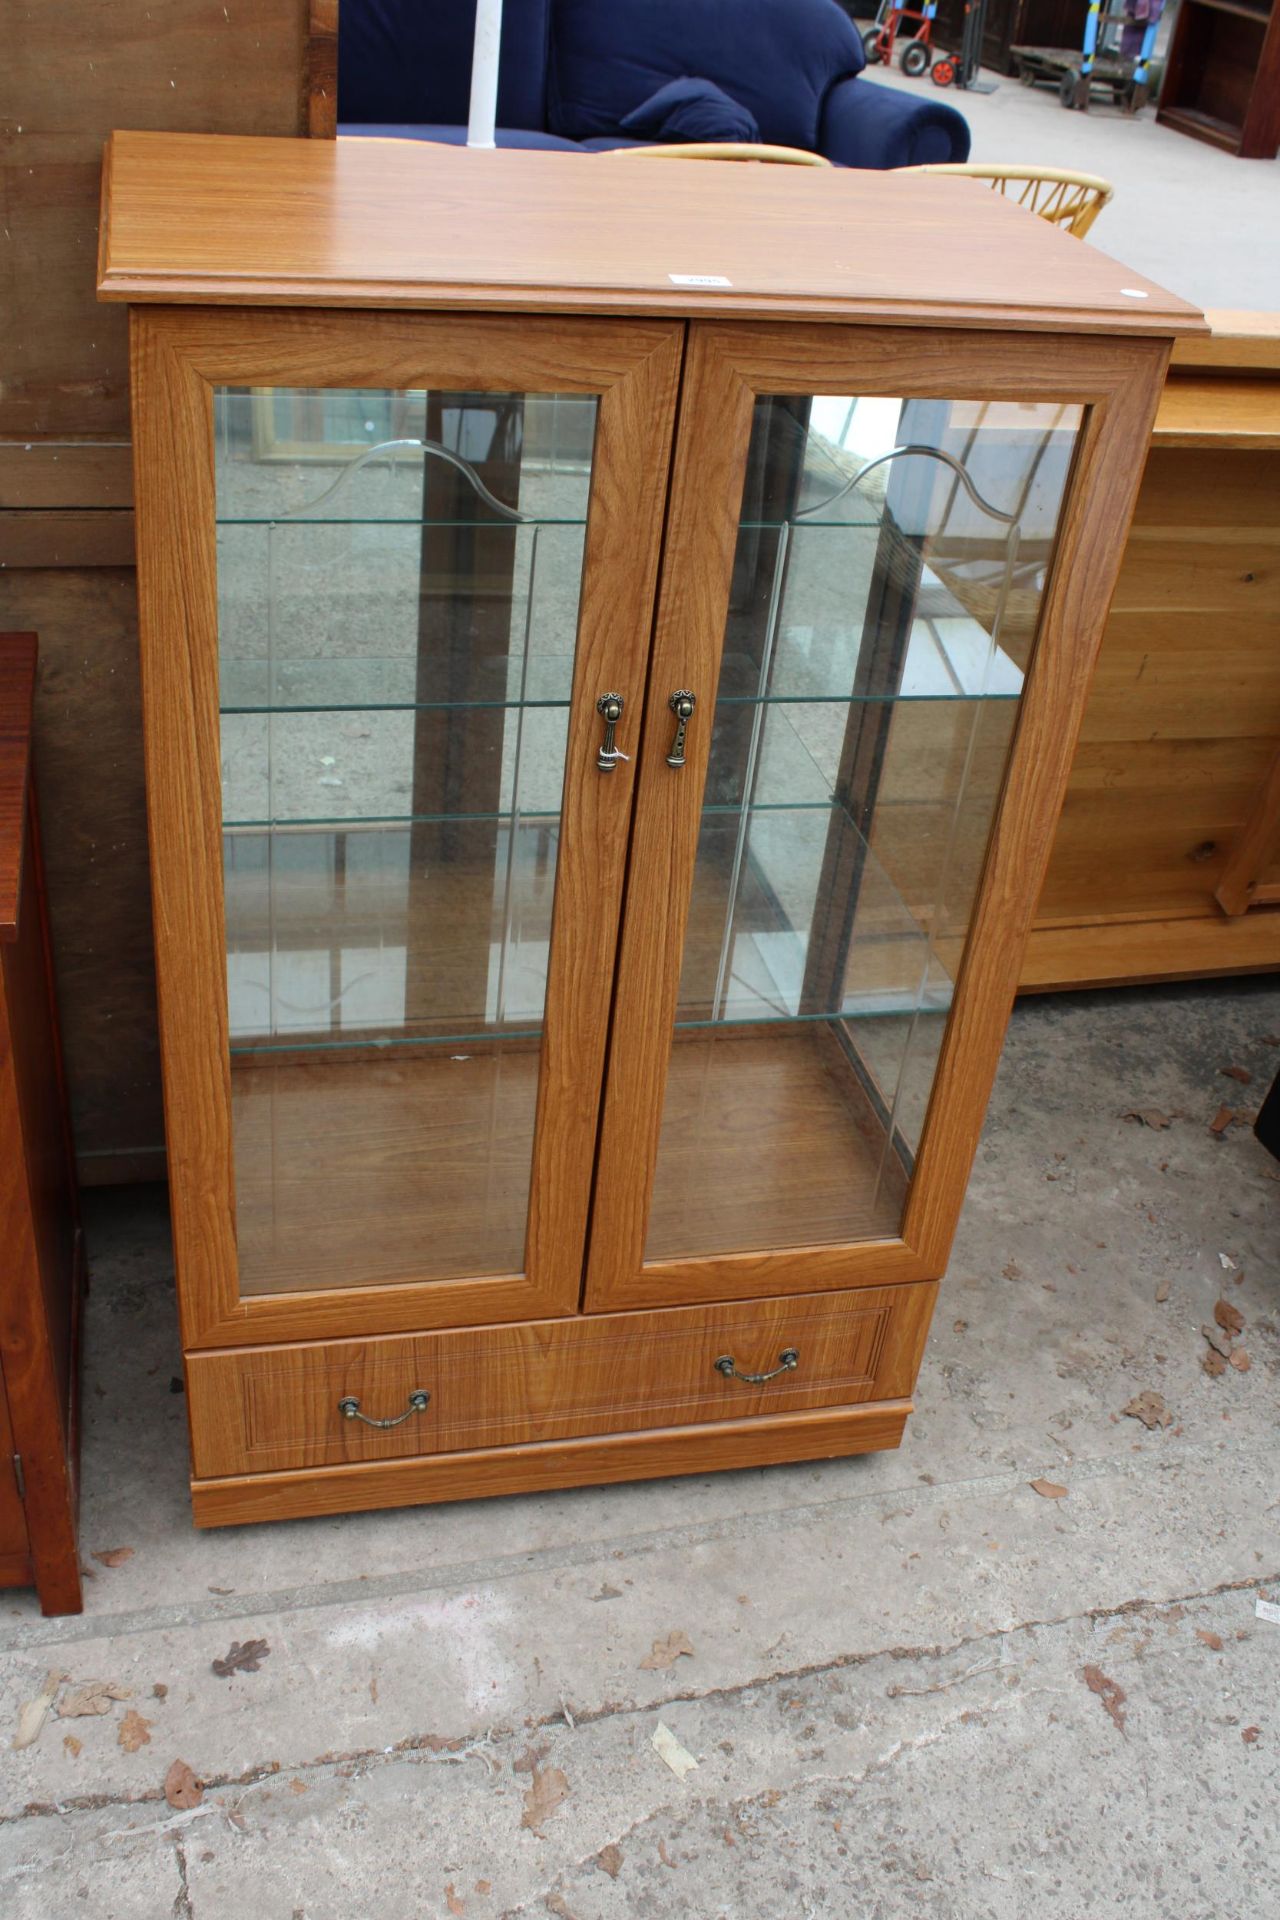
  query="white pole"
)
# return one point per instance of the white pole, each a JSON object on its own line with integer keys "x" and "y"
{"x": 484, "y": 74}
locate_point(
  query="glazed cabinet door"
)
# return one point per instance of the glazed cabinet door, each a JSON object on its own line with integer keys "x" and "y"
{"x": 887, "y": 566}
{"x": 397, "y": 579}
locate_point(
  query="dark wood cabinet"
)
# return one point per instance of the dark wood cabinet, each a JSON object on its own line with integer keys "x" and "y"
{"x": 1015, "y": 23}
{"x": 1222, "y": 77}
{"x": 39, "y": 1225}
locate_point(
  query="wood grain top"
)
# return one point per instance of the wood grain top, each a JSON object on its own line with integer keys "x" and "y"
{"x": 1238, "y": 338}
{"x": 17, "y": 690}
{"x": 368, "y": 222}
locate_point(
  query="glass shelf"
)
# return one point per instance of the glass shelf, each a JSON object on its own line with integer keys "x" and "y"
{"x": 890, "y": 563}
{"x": 301, "y": 520}
{"x": 399, "y": 579}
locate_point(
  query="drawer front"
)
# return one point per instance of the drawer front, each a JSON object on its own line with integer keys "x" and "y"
{"x": 265, "y": 1409}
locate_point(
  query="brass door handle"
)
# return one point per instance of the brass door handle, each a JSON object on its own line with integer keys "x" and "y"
{"x": 349, "y": 1408}
{"x": 609, "y": 706}
{"x": 788, "y": 1361}
{"x": 682, "y": 704}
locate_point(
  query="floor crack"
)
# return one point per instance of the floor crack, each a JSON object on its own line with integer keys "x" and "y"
{"x": 182, "y": 1907}
{"x": 431, "y": 1749}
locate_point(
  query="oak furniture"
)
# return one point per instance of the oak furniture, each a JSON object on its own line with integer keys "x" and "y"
{"x": 609, "y": 685}
{"x": 1166, "y": 861}
{"x": 1222, "y": 76}
{"x": 43, "y": 1277}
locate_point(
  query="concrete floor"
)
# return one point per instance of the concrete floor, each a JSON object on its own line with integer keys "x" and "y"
{"x": 916, "y": 1685}
{"x": 1198, "y": 221}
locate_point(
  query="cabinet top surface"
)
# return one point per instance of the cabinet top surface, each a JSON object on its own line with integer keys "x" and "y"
{"x": 370, "y": 222}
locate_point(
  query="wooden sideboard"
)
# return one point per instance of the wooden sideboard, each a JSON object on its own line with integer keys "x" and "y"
{"x": 1183, "y": 723}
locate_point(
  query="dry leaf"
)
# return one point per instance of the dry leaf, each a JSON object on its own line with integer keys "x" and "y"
{"x": 1011, "y": 1270}
{"x": 1250, "y": 1734}
{"x": 1210, "y": 1638}
{"x": 1219, "y": 1341}
{"x": 483, "y": 1886}
{"x": 298, "y": 1786}
{"x": 32, "y": 1715}
{"x": 160, "y": 1691}
{"x": 1241, "y": 1361}
{"x": 1109, "y": 1691}
{"x": 1214, "y": 1365}
{"x": 549, "y": 1788}
{"x": 133, "y": 1731}
{"x": 665, "y": 1653}
{"x": 452, "y": 1901}
{"x": 609, "y": 1860}
{"x": 240, "y": 1658}
{"x": 1221, "y": 1120}
{"x": 1148, "y": 1117}
{"x": 1048, "y": 1489}
{"x": 1162, "y": 1291}
{"x": 668, "y": 1748}
{"x": 1229, "y": 1317}
{"x": 94, "y": 1696}
{"x": 73, "y": 1746}
{"x": 1150, "y": 1409}
{"x": 114, "y": 1556}
{"x": 181, "y": 1788}
{"x": 1242, "y": 1074}
{"x": 531, "y": 1759}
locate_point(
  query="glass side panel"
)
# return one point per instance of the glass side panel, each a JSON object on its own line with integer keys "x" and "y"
{"x": 398, "y": 584}
{"x": 890, "y": 565}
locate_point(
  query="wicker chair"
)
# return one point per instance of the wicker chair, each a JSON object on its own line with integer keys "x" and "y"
{"x": 1069, "y": 200}
{"x": 731, "y": 150}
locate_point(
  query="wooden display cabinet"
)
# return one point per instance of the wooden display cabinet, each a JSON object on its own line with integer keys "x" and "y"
{"x": 613, "y": 644}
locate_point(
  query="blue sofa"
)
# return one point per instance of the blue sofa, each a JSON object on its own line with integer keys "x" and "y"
{"x": 592, "y": 74}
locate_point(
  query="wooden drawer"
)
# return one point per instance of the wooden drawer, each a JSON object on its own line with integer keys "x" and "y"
{"x": 265, "y": 1409}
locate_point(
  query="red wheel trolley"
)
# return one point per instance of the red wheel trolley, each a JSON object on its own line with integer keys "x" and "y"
{"x": 878, "y": 40}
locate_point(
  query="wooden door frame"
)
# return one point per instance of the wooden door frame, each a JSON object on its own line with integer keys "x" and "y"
{"x": 727, "y": 365}
{"x": 178, "y": 356}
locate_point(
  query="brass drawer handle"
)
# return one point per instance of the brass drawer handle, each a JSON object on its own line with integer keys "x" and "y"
{"x": 788, "y": 1361}
{"x": 682, "y": 704}
{"x": 609, "y": 706}
{"x": 349, "y": 1408}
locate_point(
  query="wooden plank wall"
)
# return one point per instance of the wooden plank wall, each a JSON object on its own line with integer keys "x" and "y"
{"x": 71, "y": 70}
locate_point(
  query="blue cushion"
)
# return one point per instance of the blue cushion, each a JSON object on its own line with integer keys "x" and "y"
{"x": 867, "y": 125}
{"x": 691, "y": 109}
{"x": 409, "y": 61}
{"x": 777, "y": 58}
{"x": 526, "y": 137}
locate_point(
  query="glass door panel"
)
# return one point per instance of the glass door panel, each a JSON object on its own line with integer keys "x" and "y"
{"x": 890, "y": 563}
{"x": 398, "y": 587}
